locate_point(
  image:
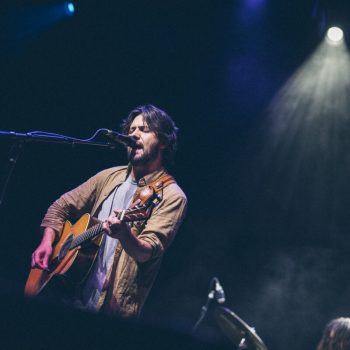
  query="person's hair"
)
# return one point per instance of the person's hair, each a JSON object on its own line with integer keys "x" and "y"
{"x": 336, "y": 335}
{"x": 161, "y": 124}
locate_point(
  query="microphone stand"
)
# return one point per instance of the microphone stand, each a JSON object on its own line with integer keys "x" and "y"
{"x": 14, "y": 155}
{"x": 40, "y": 136}
{"x": 54, "y": 138}
{"x": 204, "y": 308}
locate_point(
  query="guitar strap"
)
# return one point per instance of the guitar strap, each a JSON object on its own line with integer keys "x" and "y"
{"x": 162, "y": 182}
{"x": 157, "y": 186}
{"x": 156, "y": 192}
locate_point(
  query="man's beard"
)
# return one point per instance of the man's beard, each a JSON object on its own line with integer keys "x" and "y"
{"x": 146, "y": 157}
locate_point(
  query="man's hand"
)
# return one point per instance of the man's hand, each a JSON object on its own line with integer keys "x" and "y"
{"x": 138, "y": 249}
{"x": 42, "y": 254}
{"x": 114, "y": 227}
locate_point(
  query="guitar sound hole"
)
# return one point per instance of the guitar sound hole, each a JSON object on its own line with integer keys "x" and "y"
{"x": 65, "y": 248}
{"x": 53, "y": 264}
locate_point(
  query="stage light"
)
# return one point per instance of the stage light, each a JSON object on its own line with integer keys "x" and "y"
{"x": 69, "y": 7}
{"x": 335, "y": 34}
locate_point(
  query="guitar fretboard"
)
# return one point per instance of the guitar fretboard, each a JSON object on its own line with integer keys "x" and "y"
{"x": 91, "y": 233}
{"x": 139, "y": 212}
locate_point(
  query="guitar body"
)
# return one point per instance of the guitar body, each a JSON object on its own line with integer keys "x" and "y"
{"x": 74, "y": 265}
{"x": 77, "y": 248}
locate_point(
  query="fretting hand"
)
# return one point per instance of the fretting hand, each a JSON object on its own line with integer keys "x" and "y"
{"x": 115, "y": 227}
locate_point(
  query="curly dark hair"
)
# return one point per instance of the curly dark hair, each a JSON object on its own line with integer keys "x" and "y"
{"x": 161, "y": 124}
{"x": 336, "y": 335}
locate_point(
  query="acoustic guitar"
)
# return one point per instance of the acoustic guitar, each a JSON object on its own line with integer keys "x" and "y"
{"x": 76, "y": 250}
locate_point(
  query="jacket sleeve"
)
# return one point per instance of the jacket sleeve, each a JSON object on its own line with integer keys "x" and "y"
{"x": 165, "y": 220}
{"x": 71, "y": 205}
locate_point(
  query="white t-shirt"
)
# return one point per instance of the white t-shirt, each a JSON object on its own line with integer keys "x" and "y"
{"x": 120, "y": 198}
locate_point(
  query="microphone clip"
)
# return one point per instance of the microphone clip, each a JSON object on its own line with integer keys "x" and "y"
{"x": 216, "y": 291}
{"x": 126, "y": 140}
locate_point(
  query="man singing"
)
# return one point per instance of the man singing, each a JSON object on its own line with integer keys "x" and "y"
{"x": 130, "y": 253}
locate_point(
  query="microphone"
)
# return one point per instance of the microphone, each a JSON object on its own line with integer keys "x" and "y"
{"x": 219, "y": 292}
{"x": 126, "y": 140}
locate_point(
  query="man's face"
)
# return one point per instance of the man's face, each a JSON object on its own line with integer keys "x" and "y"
{"x": 149, "y": 147}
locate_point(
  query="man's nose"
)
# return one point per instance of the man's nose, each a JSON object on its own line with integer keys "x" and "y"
{"x": 135, "y": 134}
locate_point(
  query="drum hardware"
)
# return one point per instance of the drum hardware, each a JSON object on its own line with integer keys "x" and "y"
{"x": 241, "y": 335}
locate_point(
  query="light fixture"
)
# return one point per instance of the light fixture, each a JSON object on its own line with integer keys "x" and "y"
{"x": 69, "y": 7}
{"x": 335, "y": 34}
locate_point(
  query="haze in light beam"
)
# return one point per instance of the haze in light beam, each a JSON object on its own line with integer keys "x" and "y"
{"x": 305, "y": 165}
{"x": 300, "y": 202}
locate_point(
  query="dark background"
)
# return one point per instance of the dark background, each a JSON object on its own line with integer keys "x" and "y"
{"x": 277, "y": 242}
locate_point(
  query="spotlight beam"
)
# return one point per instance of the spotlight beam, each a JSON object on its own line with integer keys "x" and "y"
{"x": 307, "y": 146}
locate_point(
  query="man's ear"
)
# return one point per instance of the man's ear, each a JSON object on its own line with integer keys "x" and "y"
{"x": 163, "y": 143}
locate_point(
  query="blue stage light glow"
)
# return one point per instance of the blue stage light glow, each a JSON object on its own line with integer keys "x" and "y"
{"x": 69, "y": 7}
{"x": 255, "y": 3}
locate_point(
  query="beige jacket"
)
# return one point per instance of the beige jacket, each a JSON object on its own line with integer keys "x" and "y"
{"x": 129, "y": 281}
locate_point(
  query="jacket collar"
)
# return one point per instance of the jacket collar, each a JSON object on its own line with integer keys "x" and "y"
{"x": 149, "y": 178}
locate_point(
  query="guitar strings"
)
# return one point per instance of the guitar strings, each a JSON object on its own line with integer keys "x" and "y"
{"x": 97, "y": 229}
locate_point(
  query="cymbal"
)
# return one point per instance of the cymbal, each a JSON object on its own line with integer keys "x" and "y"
{"x": 236, "y": 329}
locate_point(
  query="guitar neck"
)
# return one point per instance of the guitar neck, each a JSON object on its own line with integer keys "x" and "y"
{"x": 139, "y": 211}
{"x": 93, "y": 232}
{"x": 89, "y": 234}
